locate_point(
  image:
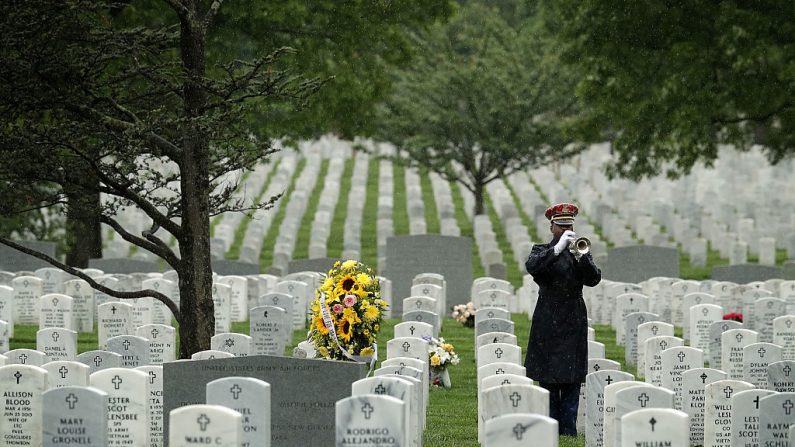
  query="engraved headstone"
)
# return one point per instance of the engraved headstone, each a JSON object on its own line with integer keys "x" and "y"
{"x": 98, "y": 360}
{"x": 633, "y": 320}
{"x": 776, "y": 415}
{"x": 162, "y": 342}
{"x": 515, "y": 430}
{"x": 688, "y": 301}
{"x": 56, "y": 310}
{"x": 654, "y": 427}
{"x": 82, "y": 304}
{"x": 22, "y": 387}
{"x": 238, "y": 345}
{"x": 499, "y": 352}
{"x": 113, "y": 319}
{"x": 694, "y": 382}
{"x": 27, "y": 290}
{"x": 733, "y": 342}
{"x": 358, "y": 417}
{"x": 611, "y": 421}
{"x": 155, "y": 375}
{"x": 400, "y": 388}
{"x": 128, "y": 405}
{"x": 268, "y": 328}
{"x": 238, "y": 295}
{"x": 252, "y": 399}
{"x": 75, "y": 415}
{"x": 66, "y": 373}
{"x": 784, "y": 335}
{"x": 25, "y": 356}
{"x": 512, "y": 398}
{"x": 647, "y": 330}
{"x": 715, "y": 330}
{"x": 765, "y": 311}
{"x": 134, "y": 350}
{"x": 205, "y": 424}
{"x": 494, "y": 325}
{"x": 223, "y": 307}
{"x": 636, "y": 398}
{"x": 675, "y": 361}
{"x": 57, "y": 343}
{"x": 756, "y": 358}
{"x": 6, "y": 312}
{"x": 595, "y": 384}
{"x": 627, "y": 303}
{"x": 211, "y": 354}
{"x": 718, "y": 410}
{"x": 745, "y": 416}
{"x": 654, "y": 346}
{"x": 781, "y": 376}
{"x": 702, "y": 316}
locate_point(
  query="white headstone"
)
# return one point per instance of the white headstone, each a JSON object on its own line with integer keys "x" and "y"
{"x": 201, "y": 424}
{"x": 128, "y": 405}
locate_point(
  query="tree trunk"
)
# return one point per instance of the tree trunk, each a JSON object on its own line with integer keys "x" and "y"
{"x": 83, "y": 229}
{"x": 479, "y": 198}
{"x": 197, "y": 324}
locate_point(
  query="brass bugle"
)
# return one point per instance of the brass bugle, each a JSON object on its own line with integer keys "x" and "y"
{"x": 581, "y": 246}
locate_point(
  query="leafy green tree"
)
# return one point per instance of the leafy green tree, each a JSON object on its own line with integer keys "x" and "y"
{"x": 668, "y": 82}
{"x": 482, "y": 100}
{"x": 136, "y": 114}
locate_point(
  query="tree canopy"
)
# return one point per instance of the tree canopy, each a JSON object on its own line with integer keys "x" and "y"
{"x": 667, "y": 82}
{"x": 482, "y": 100}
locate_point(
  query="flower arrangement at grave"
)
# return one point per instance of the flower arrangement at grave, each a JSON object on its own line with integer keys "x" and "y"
{"x": 440, "y": 356}
{"x": 464, "y": 314}
{"x": 736, "y": 316}
{"x": 347, "y": 313}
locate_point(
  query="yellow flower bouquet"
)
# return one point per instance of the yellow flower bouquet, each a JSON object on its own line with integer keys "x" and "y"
{"x": 347, "y": 312}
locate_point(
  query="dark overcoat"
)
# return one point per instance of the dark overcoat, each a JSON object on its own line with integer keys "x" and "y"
{"x": 557, "y": 351}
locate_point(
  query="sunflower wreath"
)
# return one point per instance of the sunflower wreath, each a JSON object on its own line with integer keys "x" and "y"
{"x": 354, "y": 310}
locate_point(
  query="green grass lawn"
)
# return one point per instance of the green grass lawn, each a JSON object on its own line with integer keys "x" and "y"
{"x": 452, "y": 413}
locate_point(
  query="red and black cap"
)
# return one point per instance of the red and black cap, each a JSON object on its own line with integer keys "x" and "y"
{"x": 562, "y": 213}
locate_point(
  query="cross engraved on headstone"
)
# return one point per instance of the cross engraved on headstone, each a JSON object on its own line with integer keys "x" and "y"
{"x": 596, "y": 367}
{"x": 417, "y": 304}
{"x": 641, "y": 319}
{"x": 498, "y": 352}
{"x": 787, "y": 370}
{"x": 787, "y": 406}
{"x": 515, "y": 399}
{"x": 631, "y": 300}
{"x": 652, "y": 421}
{"x": 290, "y": 287}
{"x": 64, "y": 371}
{"x": 203, "y": 421}
{"x": 609, "y": 380}
{"x": 152, "y": 377}
{"x": 788, "y": 323}
{"x": 704, "y": 311}
{"x": 500, "y": 371}
{"x": 681, "y": 356}
{"x": 55, "y": 336}
{"x": 756, "y": 402}
{"x": 235, "y": 390}
{"x": 117, "y": 381}
{"x": 725, "y": 327}
{"x": 728, "y": 390}
{"x": 126, "y": 344}
{"x": 703, "y": 377}
{"x": 518, "y": 431}
{"x": 663, "y": 344}
{"x": 18, "y": 375}
{"x": 412, "y": 329}
{"x": 71, "y": 399}
{"x": 406, "y": 345}
{"x": 97, "y": 361}
{"x": 23, "y": 358}
{"x": 494, "y": 326}
{"x": 154, "y": 332}
{"x": 761, "y": 352}
{"x": 506, "y": 382}
{"x": 380, "y": 389}
{"x": 230, "y": 342}
{"x": 275, "y": 300}
{"x": 495, "y": 340}
{"x": 367, "y": 409}
{"x": 643, "y": 399}
{"x": 113, "y": 309}
{"x": 739, "y": 338}
{"x": 490, "y": 314}
{"x": 55, "y": 301}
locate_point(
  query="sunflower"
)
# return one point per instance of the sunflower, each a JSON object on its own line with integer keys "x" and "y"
{"x": 367, "y": 352}
{"x": 350, "y": 314}
{"x": 350, "y": 264}
{"x": 364, "y": 279}
{"x": 344, "y": 329}
{"x": 320, "y": 326}
{"x": 345, "y": 285}
{"x": 371, "y": 313}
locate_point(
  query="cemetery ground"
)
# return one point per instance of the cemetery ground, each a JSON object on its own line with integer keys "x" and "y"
{"x": 452, "y": 413}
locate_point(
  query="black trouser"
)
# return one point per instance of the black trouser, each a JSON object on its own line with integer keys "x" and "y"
{"x": 564, "y": 398}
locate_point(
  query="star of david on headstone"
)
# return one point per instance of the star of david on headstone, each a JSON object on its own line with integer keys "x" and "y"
{"x": 236, "y": 390}
{"x": 23, "y": 358}
{"x": 367, "y": 409}
{"x": 71, "y": 399}
{"x": 518, "y": 431}
{"x": 761, "y": 352}
{"x": 515, "y": 399}
{"x": 64, "y": 371}
{"x": 787, "y": 406}
{"x": 117, "y": 381}
{"x": 681, "y": 356}
{"x": 17, "y": 375}
{"x": 152, "y": 377}
{"x": 55, "y": 301}
{"x": 55, "y": 336}
{"x": 703, "y": 377}
{"x": 728, "y": 391}
{"x": 787, "y": 370}
{"x": 652, "y": 421}
{"x": 406, "y": 345}
{"x": 380, "y": 389}
{"x": 498, "y": 352}
{"x": 739, "y": 338}
{"x": 203, "y": 421}
{"x": 230, "y": 342}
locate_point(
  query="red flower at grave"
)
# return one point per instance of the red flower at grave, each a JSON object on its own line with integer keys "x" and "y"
{"x": 736, "y": 316}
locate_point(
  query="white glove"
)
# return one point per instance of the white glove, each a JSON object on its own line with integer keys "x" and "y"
{"x": 565, "y": 240}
